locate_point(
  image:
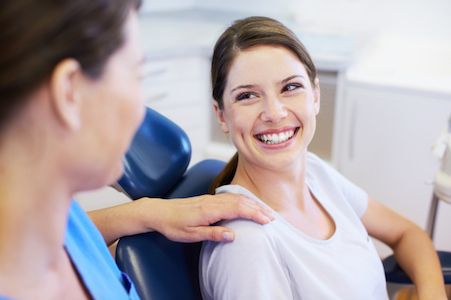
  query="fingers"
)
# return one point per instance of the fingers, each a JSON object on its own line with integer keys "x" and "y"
{"x": 238, "y": 206}
{"x": 212, "y": 233}
{"x": 189, "y": 218}
{"x": 202, "y": 233}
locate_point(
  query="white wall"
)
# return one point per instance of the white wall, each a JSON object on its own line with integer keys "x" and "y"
{"x": 411, "y": 17}
{"x": 414, "y": 17}
{"x": 164, "y": 5}
{"x": 418, "y": 17}
{"x": 270, "y": 8}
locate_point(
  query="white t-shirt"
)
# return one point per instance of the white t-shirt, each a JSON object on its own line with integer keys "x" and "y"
{"x": 278, "y": 261}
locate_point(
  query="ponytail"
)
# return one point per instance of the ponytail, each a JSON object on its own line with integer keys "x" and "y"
{"x": 226, "y": 176}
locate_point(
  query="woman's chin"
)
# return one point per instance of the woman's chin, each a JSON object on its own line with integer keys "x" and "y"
{"x": 106, "y": 178}
{"x": 116, "y": 174}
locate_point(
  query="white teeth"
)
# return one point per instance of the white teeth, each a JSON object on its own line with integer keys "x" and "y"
{"x": 274, "y": 138}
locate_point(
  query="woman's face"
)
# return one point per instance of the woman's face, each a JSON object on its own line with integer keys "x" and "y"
{"x": 270, "y": 106}
{"x": 113, "y": 108}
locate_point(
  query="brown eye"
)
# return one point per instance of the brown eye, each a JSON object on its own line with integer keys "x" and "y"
{"x": 291, "y": 87}
{"x": 245, "y": 96}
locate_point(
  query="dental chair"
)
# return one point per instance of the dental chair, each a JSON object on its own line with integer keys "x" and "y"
{"x": 442, "y": 192}
{"x": 156, "y": 166}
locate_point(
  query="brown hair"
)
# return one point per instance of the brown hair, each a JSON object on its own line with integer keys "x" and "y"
{"x": 244, "y": 34}
{"x": 37, "y": 35}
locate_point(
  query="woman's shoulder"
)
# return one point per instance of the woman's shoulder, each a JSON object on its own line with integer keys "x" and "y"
{"x": 248, "y": 234}
{"x": 315, "y": 163}
{"x": 325, "y": 177}
{"x": 320, "y": 170}
{"x": 252, "y": 259}
{"x": 252, "y": 242}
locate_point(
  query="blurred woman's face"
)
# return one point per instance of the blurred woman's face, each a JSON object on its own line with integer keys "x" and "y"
{"x": 270, "y": 107}
{"x": 113, "y": 108}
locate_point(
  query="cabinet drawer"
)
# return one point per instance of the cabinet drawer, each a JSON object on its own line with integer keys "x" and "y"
{"x": 176, "y": 69}
{"x": 186, "y": 116}
{"x": 180, "y": 93}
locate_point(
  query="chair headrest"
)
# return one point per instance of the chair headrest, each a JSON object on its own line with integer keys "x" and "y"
{"x": 157, "y": 158}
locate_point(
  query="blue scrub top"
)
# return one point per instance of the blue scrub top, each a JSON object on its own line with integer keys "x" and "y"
{"x": 94, "y": 263}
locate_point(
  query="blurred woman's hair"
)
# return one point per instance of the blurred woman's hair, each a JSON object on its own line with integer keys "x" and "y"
{"x": 36, "y": 35}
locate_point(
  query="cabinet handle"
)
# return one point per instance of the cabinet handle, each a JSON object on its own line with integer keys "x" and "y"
{"x": 157, "y": 97}
{"x": 352, "y": 123}
{"x": 155, "y": 73}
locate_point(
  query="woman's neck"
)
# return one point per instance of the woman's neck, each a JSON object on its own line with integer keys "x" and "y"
{"x": 33, "y": 215}
{"x": 281, "y": 189}
{"x": 286, "y": 191}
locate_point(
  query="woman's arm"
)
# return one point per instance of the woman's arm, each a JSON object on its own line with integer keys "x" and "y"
{"x": 185, "y": 220}
{"x": 412, "y": 247}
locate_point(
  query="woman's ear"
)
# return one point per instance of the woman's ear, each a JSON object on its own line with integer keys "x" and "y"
{"x": 317, "y": 95}
{"x": 65, "y": 93}
{"x": 220, "y": 117}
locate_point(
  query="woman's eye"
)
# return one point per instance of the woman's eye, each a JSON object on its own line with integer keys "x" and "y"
{"x": 245, "y": 96}
{"x": 291, "y": 87}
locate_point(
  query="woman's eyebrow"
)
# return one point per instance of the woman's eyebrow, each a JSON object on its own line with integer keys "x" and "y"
{"x": 291, "y": 77}
{"x": 246, "y": 86}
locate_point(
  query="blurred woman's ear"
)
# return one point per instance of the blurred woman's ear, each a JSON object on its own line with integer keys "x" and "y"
{"x": 317, "y": 95}
{"x": 220, "y": 117}
{"x": 65, "y": 97}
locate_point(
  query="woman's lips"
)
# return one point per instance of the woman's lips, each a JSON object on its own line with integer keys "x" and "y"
{"x": 275, "y": 137}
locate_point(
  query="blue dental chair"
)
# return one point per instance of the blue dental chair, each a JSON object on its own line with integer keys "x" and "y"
{"x": 156, "y": 166}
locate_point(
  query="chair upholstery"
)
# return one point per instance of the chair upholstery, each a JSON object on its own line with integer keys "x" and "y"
{"x": 394, "y": 273}
{"x": 161, "y": 269}
{"x": 155, "y": 166}
{"x": 157, "y": 158}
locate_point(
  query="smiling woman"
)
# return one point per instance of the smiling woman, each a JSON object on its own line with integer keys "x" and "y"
{"x": 266, "y": 98}
{"x": 274, "y": 112}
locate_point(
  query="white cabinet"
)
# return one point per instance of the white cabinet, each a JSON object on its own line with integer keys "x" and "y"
{"x": 178, "y": 87}
{"x": 322, "y": 141}
{"x": 384, "y": 142}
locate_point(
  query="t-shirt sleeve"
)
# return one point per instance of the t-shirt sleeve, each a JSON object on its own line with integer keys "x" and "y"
{"x": 353, "y": 194}
{"x": 247, "y": 268}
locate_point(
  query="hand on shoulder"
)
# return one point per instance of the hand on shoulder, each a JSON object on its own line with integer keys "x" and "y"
{"x": 189, "y": 220}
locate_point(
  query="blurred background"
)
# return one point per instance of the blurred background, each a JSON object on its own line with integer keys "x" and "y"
{"x": 385, "y": 75}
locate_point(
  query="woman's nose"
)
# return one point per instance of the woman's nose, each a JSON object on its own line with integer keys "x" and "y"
{"x": 274, "y": 110}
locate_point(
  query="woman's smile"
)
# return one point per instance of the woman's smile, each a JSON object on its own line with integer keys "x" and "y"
{"x": 277, "y": 137}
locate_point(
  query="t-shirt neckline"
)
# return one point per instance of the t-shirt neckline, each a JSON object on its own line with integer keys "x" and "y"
{"x": 311, "y": 186}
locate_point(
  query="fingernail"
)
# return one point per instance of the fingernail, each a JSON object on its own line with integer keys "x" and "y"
{"x": 228, "y": 236}
{"x": 266, "y": 219}
{"x": 270, "y": 215}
